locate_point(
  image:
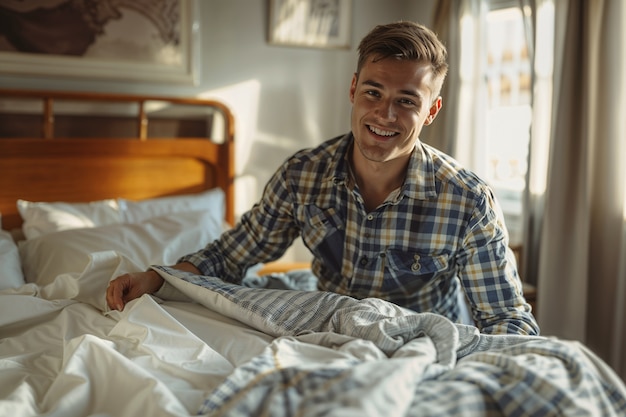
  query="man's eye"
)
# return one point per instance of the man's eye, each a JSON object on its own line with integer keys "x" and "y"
{"x": 407, "y": 102}
{"x": 372, "y": 93}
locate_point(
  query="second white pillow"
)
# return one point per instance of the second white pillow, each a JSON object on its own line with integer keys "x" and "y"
{"x": 41, "y": 218}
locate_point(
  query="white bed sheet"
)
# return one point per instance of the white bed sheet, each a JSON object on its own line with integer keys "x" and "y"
{"x": 61, "y": 355}
{"x": 65, "y": 358}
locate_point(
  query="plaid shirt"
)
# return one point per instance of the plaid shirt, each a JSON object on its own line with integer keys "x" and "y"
{"x": 442, "y": 230}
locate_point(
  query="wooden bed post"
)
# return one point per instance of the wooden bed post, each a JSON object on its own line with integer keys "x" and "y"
{"x": 48, "y": 118}
{"x": 143, "y": 122}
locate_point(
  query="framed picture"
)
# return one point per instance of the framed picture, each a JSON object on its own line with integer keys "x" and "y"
{"x": 311, "y": 23}
{"x": 140, "y": 41}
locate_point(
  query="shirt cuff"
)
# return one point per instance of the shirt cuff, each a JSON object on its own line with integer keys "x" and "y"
{"x": 170, "y": 293}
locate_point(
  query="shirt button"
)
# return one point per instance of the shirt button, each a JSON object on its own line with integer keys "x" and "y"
{"x": 416, "y": 265}
{"x": 370, "y": 217}
{"x": 366, "y": 235}
{"x": 363, "y": 261}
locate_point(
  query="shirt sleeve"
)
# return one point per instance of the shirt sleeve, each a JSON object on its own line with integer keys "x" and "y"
{"x": 488, "y": 273}
{"x": 262, "y": 235}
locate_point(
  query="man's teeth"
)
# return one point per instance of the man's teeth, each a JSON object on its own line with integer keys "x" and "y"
{"x": 381, "y": 132}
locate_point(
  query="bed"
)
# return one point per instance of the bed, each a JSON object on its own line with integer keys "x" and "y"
{"x": 79, "y": 211}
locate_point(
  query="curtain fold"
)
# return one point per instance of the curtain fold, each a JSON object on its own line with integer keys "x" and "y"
{"x": 470, "y": 147}
{"x": 543, "y": 40}
{"x": 446, "y": 23}
{"x": 459, "y": 24}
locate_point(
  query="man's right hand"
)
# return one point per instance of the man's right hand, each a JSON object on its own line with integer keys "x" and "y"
{"x": 133, "y": 285}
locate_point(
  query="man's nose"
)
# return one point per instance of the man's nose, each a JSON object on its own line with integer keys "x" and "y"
{"x": 385, "y": 110}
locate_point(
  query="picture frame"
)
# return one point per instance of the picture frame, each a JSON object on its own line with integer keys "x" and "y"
{"x": 144, "y": 41}
{"x": 310, "y": 23}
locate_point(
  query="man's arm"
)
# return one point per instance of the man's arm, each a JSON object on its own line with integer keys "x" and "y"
{"x": 263, "y": 234}
{"x": 489, "y": 275}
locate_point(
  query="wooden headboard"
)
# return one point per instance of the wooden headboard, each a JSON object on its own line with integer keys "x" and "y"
{"x": 55, "y": 164}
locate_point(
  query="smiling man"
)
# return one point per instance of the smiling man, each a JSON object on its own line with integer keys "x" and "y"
{"x": 383, "y": 214}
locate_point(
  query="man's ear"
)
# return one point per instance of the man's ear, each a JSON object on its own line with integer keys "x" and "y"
{"x": 434, "y": 110}
{"x": 353, "y": 87}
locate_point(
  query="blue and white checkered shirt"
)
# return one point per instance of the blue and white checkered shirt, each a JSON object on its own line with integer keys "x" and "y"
{"x": 442, "y": 230}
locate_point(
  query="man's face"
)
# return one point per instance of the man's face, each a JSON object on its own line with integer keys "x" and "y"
{"x": 392, "y": 100}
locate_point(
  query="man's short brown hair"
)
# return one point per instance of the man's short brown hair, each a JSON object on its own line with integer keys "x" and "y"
{"x": 406, "y": 40}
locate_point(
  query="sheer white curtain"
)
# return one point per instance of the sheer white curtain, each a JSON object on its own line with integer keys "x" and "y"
{"x": 458, "y": 24}
{"x": 575, "y": 201}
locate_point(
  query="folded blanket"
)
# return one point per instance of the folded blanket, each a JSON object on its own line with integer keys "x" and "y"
{"x": 293, "y": 312}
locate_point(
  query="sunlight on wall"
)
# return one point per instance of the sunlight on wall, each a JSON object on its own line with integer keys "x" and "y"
{"x": 243, "y": 101}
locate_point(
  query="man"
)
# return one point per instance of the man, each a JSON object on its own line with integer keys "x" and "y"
{"x": 383, "y": 214}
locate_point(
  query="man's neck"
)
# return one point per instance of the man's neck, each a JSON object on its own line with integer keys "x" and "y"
{"x": 376, "y": 180}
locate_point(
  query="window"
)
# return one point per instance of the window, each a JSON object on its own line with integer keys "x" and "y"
{"x": 507, "y": 81}
{"x": 501, "y": 101}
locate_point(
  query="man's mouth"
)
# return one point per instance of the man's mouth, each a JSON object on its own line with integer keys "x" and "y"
{"x": 381, "y": 132}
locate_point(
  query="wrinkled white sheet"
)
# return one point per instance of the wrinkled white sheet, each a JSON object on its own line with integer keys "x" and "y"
{"x": 61, "y": 356}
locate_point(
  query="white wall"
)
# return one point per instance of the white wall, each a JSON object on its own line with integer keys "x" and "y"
{"x": 283, "y": 98}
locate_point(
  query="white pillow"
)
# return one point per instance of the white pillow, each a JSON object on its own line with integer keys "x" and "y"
{"x": 138, "y": 211}
{"x": 10, "y": 270}
{"x": 41, "y": 218}
{"x": 160, "y": 241}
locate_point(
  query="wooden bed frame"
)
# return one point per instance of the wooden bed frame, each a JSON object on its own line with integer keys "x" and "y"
{"x": 51, "y": 168}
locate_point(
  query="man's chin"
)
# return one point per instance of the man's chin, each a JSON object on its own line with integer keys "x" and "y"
{"x": 374, "y": 153}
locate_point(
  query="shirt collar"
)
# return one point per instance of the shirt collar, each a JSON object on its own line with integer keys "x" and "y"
{"x": 420, "y": 179}
{"x": 419, "y": 183}
{"x": 339, "y": 168}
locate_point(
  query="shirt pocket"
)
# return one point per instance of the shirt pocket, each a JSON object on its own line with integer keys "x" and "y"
{"x": 409, "y": 271}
